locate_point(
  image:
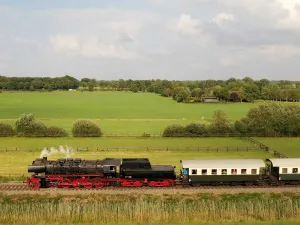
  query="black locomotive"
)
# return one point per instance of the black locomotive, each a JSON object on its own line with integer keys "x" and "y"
{"x": 76, "y": 173}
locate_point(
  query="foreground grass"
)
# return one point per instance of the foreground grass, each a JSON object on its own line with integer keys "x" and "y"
{"x": 287, "y": 146}
{"x": 152, "y": 209}
{"x": 115, "y": 112}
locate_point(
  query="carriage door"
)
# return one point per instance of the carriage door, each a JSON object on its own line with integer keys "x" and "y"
{"x": 185, "y": 175}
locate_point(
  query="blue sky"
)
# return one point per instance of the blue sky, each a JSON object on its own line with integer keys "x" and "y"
{"x": 145, "y": 39}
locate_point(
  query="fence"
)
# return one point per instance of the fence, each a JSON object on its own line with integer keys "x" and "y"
{"x": 166, "y": 148}
{"x": 147, "y": 135}
{"x": 257, "y": 143}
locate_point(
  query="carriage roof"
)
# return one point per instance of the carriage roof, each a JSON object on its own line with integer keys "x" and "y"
{"x": 222, "y": 164}
{"x": 285, "y": 162}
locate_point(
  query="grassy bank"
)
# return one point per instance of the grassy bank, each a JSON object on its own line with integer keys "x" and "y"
{"x": 150, "y": 209}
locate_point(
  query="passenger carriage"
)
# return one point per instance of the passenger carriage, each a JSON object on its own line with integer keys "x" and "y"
{"x": 285, "y": 171}
{"x": 216, "y": 172}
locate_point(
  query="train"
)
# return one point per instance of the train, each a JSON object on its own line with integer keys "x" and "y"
{"x": 139, "y": 172}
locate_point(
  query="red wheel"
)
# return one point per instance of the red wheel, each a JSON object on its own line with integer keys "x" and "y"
{"x": 76, "y": 184}
{"x": 98, "y": 184}
{"x": 87, "y": 184}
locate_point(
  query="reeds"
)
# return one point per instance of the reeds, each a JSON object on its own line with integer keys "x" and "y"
{"x": 141, "y": 209}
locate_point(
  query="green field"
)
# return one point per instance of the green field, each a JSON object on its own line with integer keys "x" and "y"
{"x": 115, "y": 112}
{"x": 287, "y": 146}
{"x": 14, "y": 162}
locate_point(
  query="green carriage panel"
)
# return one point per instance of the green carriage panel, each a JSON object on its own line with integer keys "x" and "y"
{"x": 294, "y": 177}
{"x": 223, "y": 178}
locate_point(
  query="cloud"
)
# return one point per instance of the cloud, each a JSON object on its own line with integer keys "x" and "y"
{"x": 223, "y": 18}
{"x": 89, "y": 47}
{"x": 188, "y": 26}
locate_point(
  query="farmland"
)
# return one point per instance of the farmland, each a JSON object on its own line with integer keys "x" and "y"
{"x": 287, "y": 146}
{"x": 114, "y": 112}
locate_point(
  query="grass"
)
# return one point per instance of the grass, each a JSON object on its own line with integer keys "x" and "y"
{"x": 14, "y": 163}
{"x": 115, "y": 112}
{"x": 151, "y": 209}
{"x": 287, "y": 146}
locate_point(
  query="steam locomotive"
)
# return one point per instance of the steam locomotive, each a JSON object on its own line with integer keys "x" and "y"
{"x": 77, "y": 173}
{"x": 138, "y": 172}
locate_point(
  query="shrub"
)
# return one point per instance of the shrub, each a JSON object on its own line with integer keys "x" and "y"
{"x": 56, "y": 132}
{"x": 86, "y": 128}
{"x": 175, "y": 131}
{"x": 24, "y": 122}
{"x": 220, "y": 123}
{"x": 6, "y": 130}
{"x": 36, "y": 129}
{"x": 196, "y": 129}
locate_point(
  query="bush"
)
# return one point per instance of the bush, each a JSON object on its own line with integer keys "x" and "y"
{"x": 24, "y": 122}
{"x": 56, "y": 132}
{"x": 36, "y": 129}
{"x": 196, "y": 129}
{"x": 6, "y": 130}
{"x": 86, "y": 128}
{"x": 175, "y": 131}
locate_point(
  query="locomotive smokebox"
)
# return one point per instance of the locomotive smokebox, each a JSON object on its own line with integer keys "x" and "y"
{"x": 36, "y": 169}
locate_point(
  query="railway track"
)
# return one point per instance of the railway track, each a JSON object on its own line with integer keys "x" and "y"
{"x": 19, "y": 187}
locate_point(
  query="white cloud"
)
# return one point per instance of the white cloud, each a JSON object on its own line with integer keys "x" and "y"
{"x": 292, "y": 21}
{"x": 65, "y": 43}
{"x": 221, "y": 18}
{"x": 187, "y": 25}
{"x": 90, "y": 46}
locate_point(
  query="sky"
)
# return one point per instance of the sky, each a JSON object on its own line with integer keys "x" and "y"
{"x": 151, "y": 39}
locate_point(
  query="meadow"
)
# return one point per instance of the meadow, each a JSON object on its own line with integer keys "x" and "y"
{"x": 114, "y": 112}
{"x": 247, "y": 209}
{"x": 287, "y": 146}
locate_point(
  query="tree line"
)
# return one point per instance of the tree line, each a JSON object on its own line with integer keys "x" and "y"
{"x": 271, "y": 120}
{"x": 231, "y": 90}
{"x": 27, "y": 126}
{"x": 38, "y": 83}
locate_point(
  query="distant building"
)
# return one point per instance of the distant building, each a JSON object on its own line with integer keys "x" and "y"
{"x": 211, "y": 99}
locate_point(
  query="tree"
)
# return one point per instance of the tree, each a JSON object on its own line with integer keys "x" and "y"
{"x": 196, "y": 129}
{"x": 6, "y": 130}
{"x": 220, "y": 123}
{"x": 134, "y": 88}
{"x": 86, "y": 128}
{"x": 251, "y": 92}
{"x": 174, "y": 131}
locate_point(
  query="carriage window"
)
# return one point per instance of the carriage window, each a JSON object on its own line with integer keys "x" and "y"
{"x": 194, "y": 171}
{"x": 204, "y": 172}
{"x": 214, "y": 172}
{"x": 244, "y": 171}
{"x": 234, "y": 171}
{"x": 284, "y": 170}
{"x": 254, "y": 171}
{"x": 295, "y": 170}
{"x": 224, "y": 171}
